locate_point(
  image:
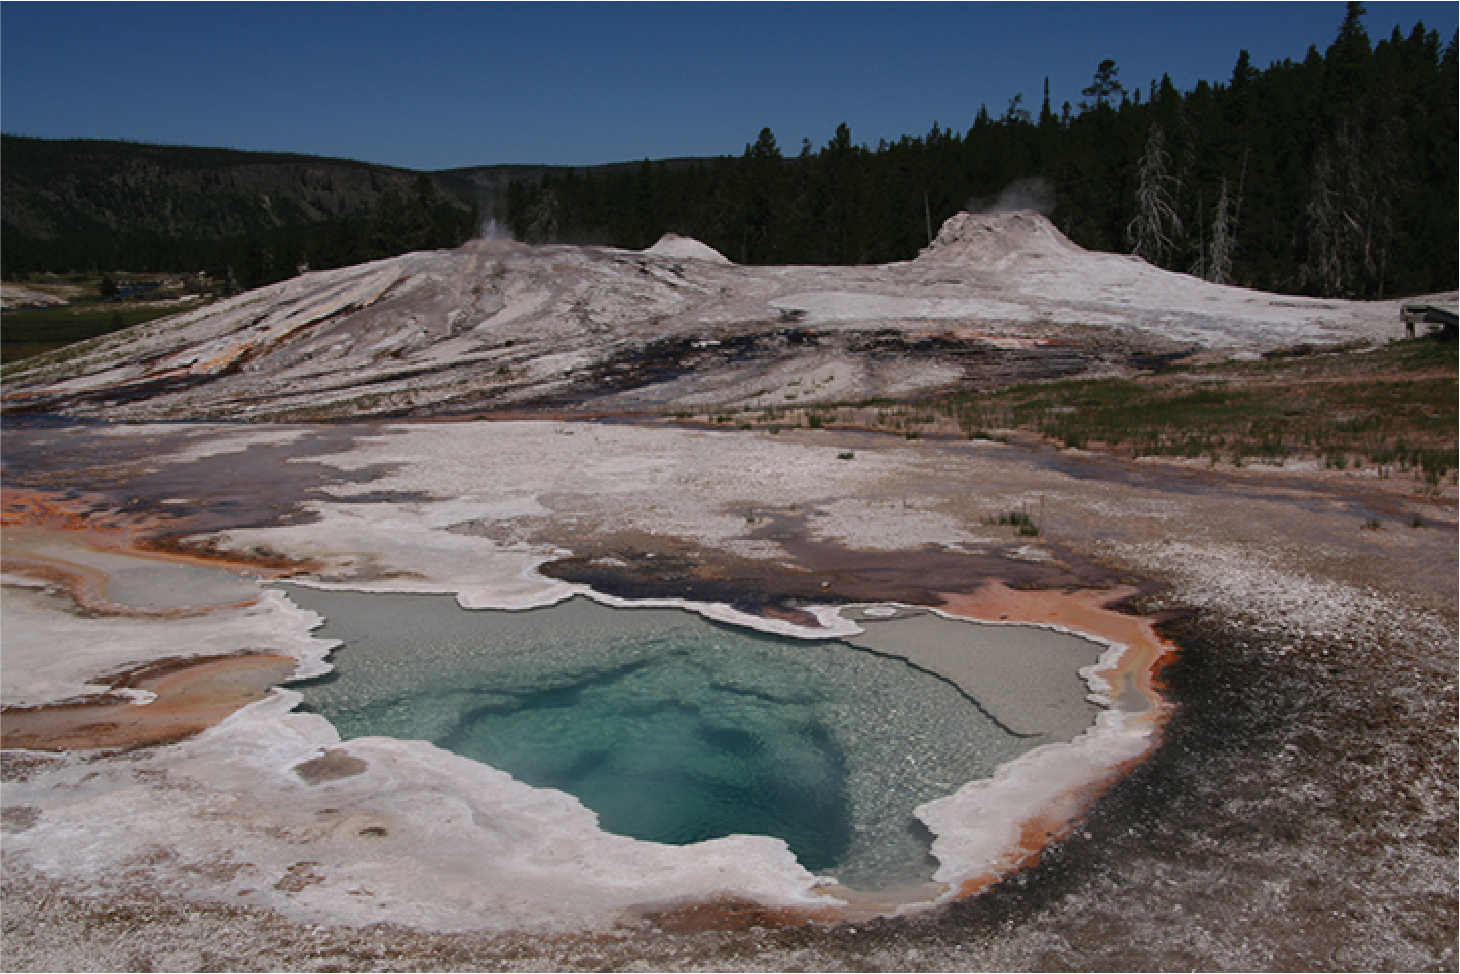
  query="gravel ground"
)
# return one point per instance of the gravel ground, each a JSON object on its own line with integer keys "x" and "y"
{"x": 1299, "y": 816}
{"x": 1300, "y": 813}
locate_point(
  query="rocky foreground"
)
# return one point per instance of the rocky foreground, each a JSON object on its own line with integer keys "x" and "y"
{"x": 1298, "y": 809}
{"x": 1299, "y": 813}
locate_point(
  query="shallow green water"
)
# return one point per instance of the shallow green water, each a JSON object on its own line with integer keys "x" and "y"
{"x": 672, "y": 728}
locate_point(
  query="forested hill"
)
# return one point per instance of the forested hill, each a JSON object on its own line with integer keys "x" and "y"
{"x": 81, "y": 204}
{"x": 83, "y": 188}
{"x": 1335, "y": 175}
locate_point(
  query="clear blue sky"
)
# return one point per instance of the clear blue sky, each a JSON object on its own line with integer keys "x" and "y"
{"x": 436, "y": 86}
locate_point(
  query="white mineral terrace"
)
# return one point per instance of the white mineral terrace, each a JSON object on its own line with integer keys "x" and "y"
{"x": 501, "y": 325}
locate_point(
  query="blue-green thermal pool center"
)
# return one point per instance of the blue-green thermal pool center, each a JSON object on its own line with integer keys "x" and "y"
{"x": 677, "y": 729}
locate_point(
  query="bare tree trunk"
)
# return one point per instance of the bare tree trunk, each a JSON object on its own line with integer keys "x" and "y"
{"x": 1350, "y": 202}
{"x": 1223, "y": 241}
{"x": 1199, "y": 269}
{"x": 1323, "y": 266}
{"x": 1154, "y": 210}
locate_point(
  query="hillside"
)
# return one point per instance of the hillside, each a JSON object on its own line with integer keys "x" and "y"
{"x": 78, "y": 205}
{"x": 493, "y": 326}
{"x": 51, "y": 189}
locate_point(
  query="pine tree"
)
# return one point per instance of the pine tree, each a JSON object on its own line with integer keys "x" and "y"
{"x": 1047, "y": 116}
{"x": 1104, "y": 87}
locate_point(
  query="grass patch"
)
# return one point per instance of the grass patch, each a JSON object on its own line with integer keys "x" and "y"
{"x": 1394, "y": 406}
{"x": 1390, "y": 409}
{"x": 27, "y": 332}
{"x": 1022, "y": 522}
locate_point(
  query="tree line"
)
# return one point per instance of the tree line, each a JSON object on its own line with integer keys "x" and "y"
{"x": 420, "y": 219}
{"x": 1335, "y": 175}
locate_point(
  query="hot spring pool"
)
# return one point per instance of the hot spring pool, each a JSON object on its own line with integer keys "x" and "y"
{"x": 676, "y": 729}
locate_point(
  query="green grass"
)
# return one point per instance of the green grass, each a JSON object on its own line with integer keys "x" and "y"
{"x": 1393, "y": 407}
{"x": 1023, "y": 523}
{"x": 32, "y": 331}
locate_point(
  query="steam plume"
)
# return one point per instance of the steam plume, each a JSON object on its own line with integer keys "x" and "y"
{"x": 493, "y": 229}
{"x": 1030, "y": 193}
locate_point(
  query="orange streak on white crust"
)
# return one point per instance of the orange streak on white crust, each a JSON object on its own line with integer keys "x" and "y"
{"x": 189, "y": 694}
{"x": 1009, "y": 820}
{"x": 129, "y": 534}
{"x": 1084, "y": 611}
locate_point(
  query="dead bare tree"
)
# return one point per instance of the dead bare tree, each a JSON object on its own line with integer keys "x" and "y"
{"x": 1155, "y": 212}
{"x": 1219, "y": 270}
{"x": 1351, "y": 191}
{"x": 1325, "y": 227}
{"x": 1199, "y": 266}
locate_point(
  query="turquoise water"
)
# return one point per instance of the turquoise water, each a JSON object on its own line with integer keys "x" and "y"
{"x": 672, "y": 728}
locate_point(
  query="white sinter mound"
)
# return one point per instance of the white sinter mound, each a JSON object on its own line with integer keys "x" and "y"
{"x": 673, "y": 245}
{"x": 997, "y": 299}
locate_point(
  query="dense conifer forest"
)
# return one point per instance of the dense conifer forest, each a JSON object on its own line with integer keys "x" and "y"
{"x": 1334, "y": 176}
